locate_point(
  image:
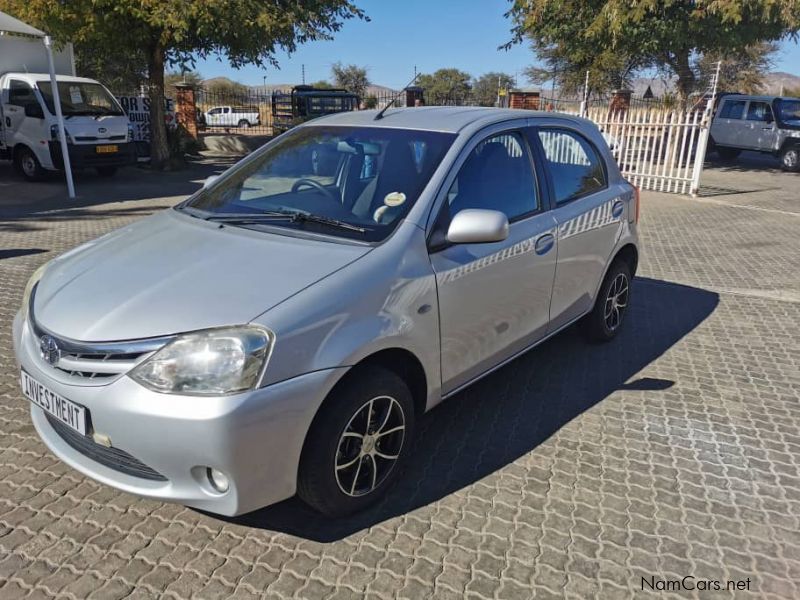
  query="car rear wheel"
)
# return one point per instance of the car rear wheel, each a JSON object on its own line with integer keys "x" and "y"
{"x": 357, "y": 442}
{"x": 244, "y": 124}
{"x": 27, "y": 164}
{"x": 611, "y": 305}
{"x": 790, "y": 159}
{"x": 728, "y": 153}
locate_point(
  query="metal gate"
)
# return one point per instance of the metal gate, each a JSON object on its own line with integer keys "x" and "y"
{"x": 657, "y": 149}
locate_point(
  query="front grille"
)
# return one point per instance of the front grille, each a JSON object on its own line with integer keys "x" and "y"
{"x": 92, "y": 138}
{"x": 113, "y": 458}
{"x": 92, "y": 360}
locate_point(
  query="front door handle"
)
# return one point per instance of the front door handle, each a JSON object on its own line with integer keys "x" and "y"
{"x": 544, "y": 243}
{"x": 617, "y": 208}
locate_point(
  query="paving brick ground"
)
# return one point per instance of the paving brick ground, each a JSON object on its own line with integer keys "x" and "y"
{"x": 573, "y": 472}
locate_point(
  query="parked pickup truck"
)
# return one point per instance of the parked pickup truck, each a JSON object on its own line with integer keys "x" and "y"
{"x": 232, "y": 116}
{"x": 760, "y": 123}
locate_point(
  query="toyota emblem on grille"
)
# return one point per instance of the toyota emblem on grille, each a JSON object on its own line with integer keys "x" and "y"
{"x": 102, "y": 130}
{"x": 49, "y": 349}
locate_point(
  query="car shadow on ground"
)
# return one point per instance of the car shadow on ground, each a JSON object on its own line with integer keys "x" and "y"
{"x": 509, "y": 413}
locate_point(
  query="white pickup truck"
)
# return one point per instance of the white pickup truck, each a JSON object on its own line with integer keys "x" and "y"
{"x": 232, "y": 116}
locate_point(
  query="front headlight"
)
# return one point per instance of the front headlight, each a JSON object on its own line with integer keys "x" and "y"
{"x": 130, "y": 133}
{"x": 208, "y": 363}
{"x": 26, "y": 295}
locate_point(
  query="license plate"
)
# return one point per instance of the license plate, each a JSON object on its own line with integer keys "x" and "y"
{"x": 106, "y": 149}
{"x": 71, "y": 414}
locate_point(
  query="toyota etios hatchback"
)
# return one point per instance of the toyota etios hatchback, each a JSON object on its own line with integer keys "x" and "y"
{"x": 283, "y": 329}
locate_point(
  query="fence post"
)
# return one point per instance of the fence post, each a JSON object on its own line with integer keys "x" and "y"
{"x": 185, "y": 108}
{"x": 414, "y": 93}
{"x": 620, "y": 101}
{"x": 705, "y": 132}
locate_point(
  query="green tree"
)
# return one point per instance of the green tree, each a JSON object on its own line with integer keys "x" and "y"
{"x": 621, "y": 36}
{"x": 350, "y": 77}
{"x": 485, "y": 87}
{"x": 323, "y": 84}
{"x": 173, "y": 78}
{"x": 740, "y": 71}
{"x": 122, "y": 74}
{"x": 447, "y": 87}
{"x": 180, "y": 31}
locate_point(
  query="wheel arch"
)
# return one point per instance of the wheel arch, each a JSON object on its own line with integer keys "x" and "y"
{"x": 630, "y": 254}
{"x": 402, "y": 362}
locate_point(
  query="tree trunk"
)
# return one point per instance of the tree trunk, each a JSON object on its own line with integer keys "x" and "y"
{"x": 686, "y": 77}
{"x": 159, "y": 148}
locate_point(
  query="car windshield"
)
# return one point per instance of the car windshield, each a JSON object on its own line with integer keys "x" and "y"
{"x": 789, "y": 110}
{"x": 356, "y": 182}
{"x": 80, "y": 98}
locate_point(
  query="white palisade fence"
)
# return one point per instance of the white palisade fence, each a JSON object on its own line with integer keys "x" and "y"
{"x": 656, "y": 148}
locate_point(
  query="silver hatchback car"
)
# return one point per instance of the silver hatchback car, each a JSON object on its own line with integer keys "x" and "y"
{"x": 282, "y": 330}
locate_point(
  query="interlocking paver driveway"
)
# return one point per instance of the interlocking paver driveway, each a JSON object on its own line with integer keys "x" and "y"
{"x": 575, "y": 471}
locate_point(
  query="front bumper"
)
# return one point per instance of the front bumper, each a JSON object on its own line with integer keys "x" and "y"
{"x": 255, "y": 438}
{"x": 86, "y": 155}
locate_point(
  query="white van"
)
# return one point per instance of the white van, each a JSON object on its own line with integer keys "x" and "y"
{"x": 99, "y": 134}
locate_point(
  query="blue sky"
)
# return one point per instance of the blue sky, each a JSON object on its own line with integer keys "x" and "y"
{"x": 430, "y": 34}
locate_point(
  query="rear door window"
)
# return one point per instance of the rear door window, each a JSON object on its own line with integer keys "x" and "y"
{"x": 574, "y": 164}
{"x": 759, "y": 111}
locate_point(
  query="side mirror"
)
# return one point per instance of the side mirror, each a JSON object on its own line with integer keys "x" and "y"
{"x": 768, "y": 118}
{"x": 34, "y": 111}
{"x": 210, "y": 180}
{"x": 477, "y": 226}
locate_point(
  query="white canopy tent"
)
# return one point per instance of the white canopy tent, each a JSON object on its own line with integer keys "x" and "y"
{"x": 11, "y": 26}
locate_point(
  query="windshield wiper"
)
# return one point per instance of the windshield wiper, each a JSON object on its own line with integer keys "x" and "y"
{"x": 293, "y": 216}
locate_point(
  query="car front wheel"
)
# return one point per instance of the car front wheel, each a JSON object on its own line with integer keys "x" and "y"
{"x": 611, "y": 305}
{"x": 27, "y": 164}
{"x": 790, "y": 159}
{"x": 357, "y": 442}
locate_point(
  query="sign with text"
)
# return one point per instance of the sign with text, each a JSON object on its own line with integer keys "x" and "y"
{"x": 138, "y": 110}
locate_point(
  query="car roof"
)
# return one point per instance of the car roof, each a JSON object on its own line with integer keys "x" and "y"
{"x": 756, "y": 97}
{"x": 35, "y": 77}
{"x": 451, "y": 119}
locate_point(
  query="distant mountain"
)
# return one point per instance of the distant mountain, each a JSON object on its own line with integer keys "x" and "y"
{"x": 773, "y": 83}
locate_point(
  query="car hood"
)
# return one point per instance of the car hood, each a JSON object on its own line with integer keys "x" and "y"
{"x": 171, "y": 273}
{"x": 96, "y": 127}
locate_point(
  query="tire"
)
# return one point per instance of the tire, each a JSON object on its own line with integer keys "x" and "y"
{"x": 790, "y": 159}
{"x": 728, "y": 153}
{"x": 244, "y": 124}
{"x": 356, "y": 483}
{"x": 106, "y": 171}
{"x": 601, "y": 325}
{"x": 26, "y": 163}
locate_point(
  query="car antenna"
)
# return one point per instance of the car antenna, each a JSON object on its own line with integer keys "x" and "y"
{"x": 379, "y": 116}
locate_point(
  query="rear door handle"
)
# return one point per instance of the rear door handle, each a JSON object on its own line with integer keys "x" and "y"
{"x": 544, "y": 243}
{"x": 617, "y": 208}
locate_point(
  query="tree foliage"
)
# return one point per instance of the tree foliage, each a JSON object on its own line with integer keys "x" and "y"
{"x": 485, "y": 87}
{"x": 174, "y": 78}
{"x": 179, "y": 31}
{"x": 740, "y": 71}
{"x": 446, "y": 86}
{"x": 615, "y": 38}
{"x": 350, "y": 77}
